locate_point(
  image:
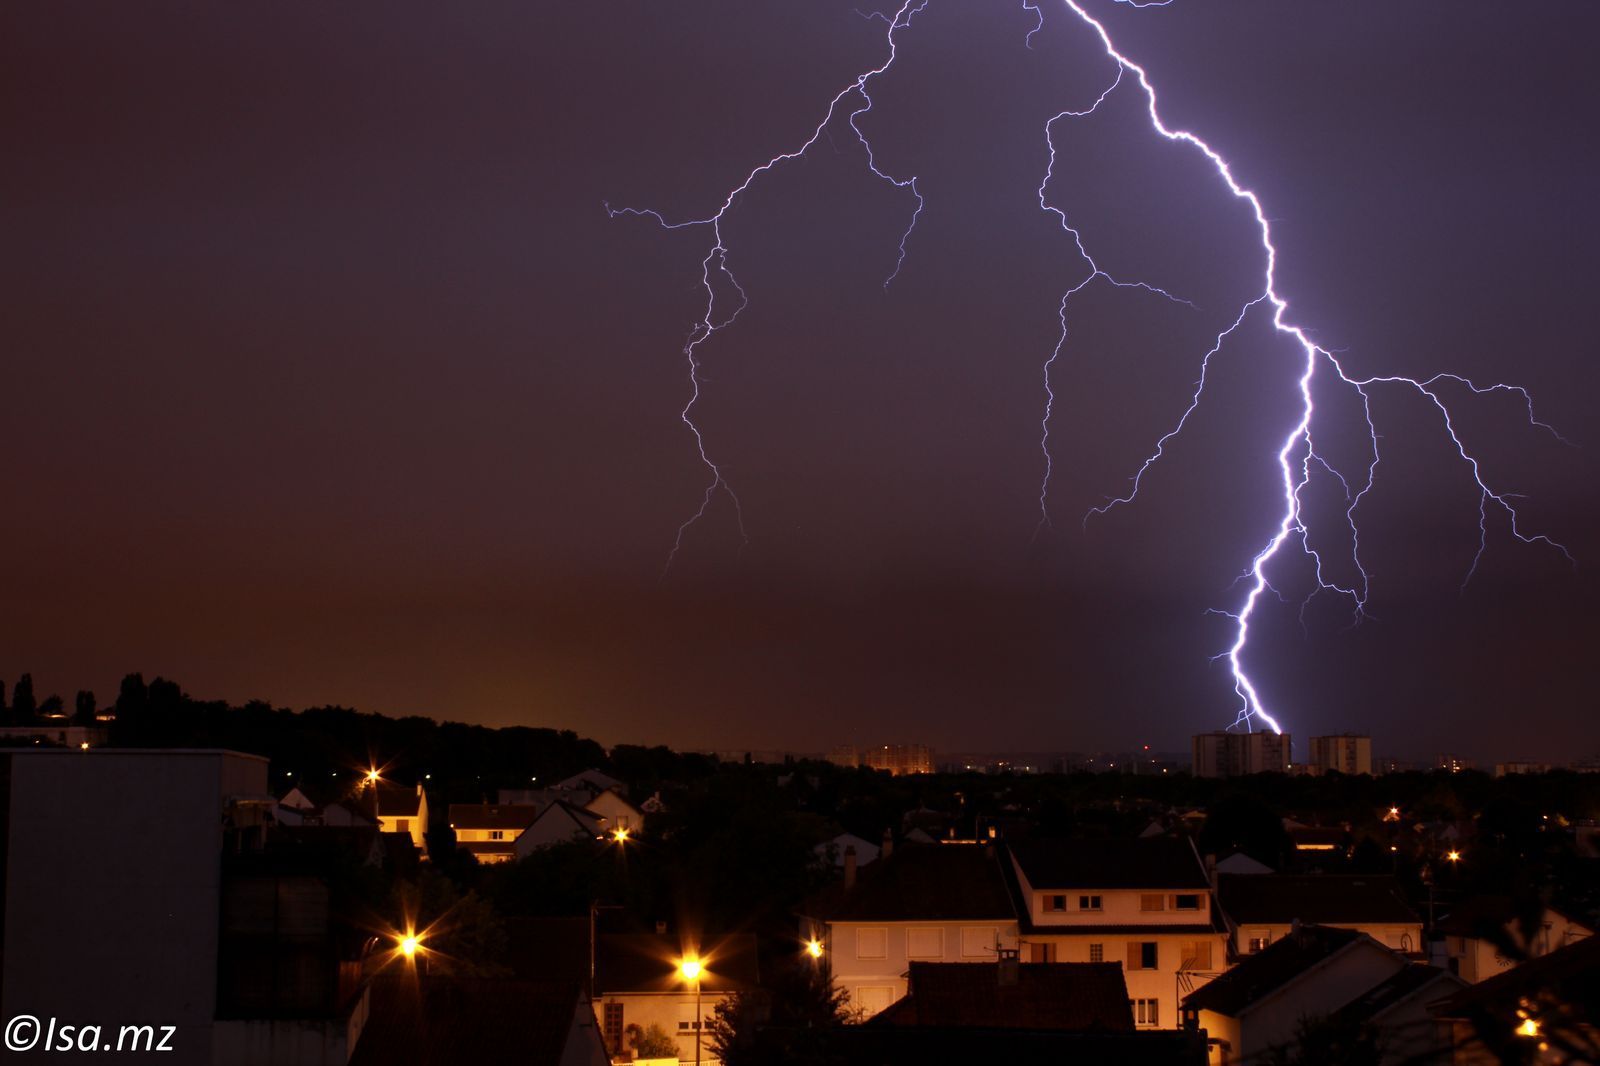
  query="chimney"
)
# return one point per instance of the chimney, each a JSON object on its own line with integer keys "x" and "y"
{"x": 849, "y": 867}
{"x": 888, "y": 844}
{"x": 1006, "y": 975}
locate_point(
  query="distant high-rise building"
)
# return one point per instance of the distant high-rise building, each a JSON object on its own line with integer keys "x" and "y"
{"x": 1225, "y": 754}
{"x": 1453, "y": 763}
{"x": 1348, "y": 753}
{"x": 898, "y": 759}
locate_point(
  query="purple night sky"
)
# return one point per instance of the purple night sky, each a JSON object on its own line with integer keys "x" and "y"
{"x": 329, "y": 380}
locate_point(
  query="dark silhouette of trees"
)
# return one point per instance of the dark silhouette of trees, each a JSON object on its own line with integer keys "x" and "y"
{"x": 1238, "y": 821}
{"x": 83, "y": 708}
{"x": 52, "y": 704}
{"x": 23, "y": 707}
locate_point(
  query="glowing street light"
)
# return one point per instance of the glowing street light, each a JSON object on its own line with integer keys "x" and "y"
{"x": 620, "y": 835}
{"x": 814, "y": 948}
{"x": 372, "y": 777}
{"x": 1529, "y": 1028}
{"x": 1453, "y": 855}
{"x": 689, "y": 969}
{"x": 410, "y": 944}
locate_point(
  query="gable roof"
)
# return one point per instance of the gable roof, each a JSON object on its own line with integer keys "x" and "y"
{"x": 1258, "y": 976}
{"x": 1403, "y": 985}
{"x": 492, "y": 816}
{"x": 921, "y": 882}
{"x": 462, "y": 1020}
{"x": 582, "y": 819}
{"x": 1570, "y": 975}
{"x": 397, "y": 802}
{"x": 648, "y": 962}
{"x": 1077, "y": 996}
{"x": 590, "y": 780}
{"x": 1154, "y": 862}
{"x": 1279, "y": 899}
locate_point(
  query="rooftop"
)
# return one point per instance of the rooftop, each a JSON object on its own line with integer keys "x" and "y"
{"x": 1279, "y": 899}
{"x": 1077, "y": 996}
{"x": 1263, "y": 973}
{"x": 1150, "y": 862}
{"x": 921, "y": 882}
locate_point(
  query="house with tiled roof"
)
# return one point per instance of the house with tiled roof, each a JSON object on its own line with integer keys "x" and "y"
{"x": 638, "y": 982}
{"x": 1261, "y": 908}
{"x": 488, "y": 831}
{"x": 1313, "y": 971}
{"x": 403, "y": 810}
{"x": 1143, "y": 903}
{"x": 916, "y": 903}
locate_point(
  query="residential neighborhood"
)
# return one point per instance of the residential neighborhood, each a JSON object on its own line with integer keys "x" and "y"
{"x": 646, "y": 905}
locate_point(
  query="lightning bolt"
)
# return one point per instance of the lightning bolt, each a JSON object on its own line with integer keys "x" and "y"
{"x": 714, "y": 266}
{"x": 1298, "y": 459}
{"x": 1297, "y": 456}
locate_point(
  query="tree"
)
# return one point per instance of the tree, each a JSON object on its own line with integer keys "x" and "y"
{"x": 652, "y": 1043}
{"x": 52, "y": 705}
{"x": 83, "y": 708}
{"x": 132, "y": 698}
{"x": 1239, "y": 821}
{"x": 22, "y": 702}
{"x": 783, "y": 1024}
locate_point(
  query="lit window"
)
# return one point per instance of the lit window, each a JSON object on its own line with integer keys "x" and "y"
{"x": 1258, "y": 943}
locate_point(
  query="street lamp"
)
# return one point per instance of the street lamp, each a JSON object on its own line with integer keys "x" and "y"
{"x": 814, "y": 948}
{"x": 689, "y": 969}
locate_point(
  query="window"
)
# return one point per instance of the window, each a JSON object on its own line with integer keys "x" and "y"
{"x": 872, "y": 942}
{"x": 497, "y": 834}
{"x": 1146, "y": 1012}
{"x": 1055, "y": 903}
{"x": 1153, "y": 902}
{"x": 1258, "y": 943}
{"x": 1196, "y": 955}
{"x": 687, "y": 1022}
{"x": 1186, "y": 902}
{"x": 1142, "y": 955}
{"x": 1097, "y": 953}
{"x": 870, "y": 999}
{"x": 614, "y": 1028}
{"x": 1041, "y": 953}
{"x": 402, "y": 825}
{"x": 1088, "y": 903}
{"x": 925, "y": 943}
{"x": 979, "y": 941}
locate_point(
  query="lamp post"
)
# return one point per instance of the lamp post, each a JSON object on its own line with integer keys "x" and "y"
{"x": 689, "y": 970}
